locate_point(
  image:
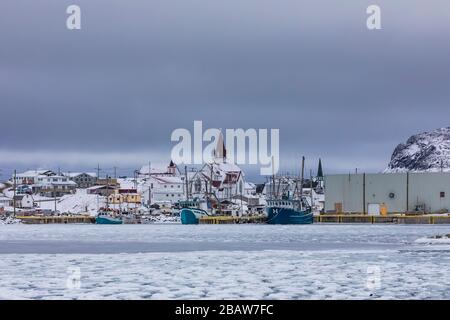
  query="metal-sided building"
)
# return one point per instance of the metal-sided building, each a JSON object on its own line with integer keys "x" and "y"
{"x": 397, "y": 192}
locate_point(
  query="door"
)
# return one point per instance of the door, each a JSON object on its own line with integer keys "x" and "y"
{"x": 374, "y": 209}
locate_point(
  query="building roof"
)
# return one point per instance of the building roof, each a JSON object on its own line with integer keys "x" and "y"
{"x": 101, "y": 187}
{"x": 168, "y": 179}
{"x": 154, "y": 170}
{"x": 35, "y": 173}
{"x": 76, "y": 174}
{"x": 56, "y": 183}
{"x": 227, "y": 167}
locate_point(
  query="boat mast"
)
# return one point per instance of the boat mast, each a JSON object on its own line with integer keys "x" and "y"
{"x": 302, "y": 177}
{"x": 107, "y": 192}
{"x": 273, "y": 180}
{"x": 149, "y": 186}
{"x": 311, "y": 186}
{"x": 187, "y": 183}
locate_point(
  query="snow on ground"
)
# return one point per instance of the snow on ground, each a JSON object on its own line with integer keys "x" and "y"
{"x": 224, "y": 262}
{"x": 228, "y": 275}
{"x": 439, "y": 239}
{"x": 8, "y": 220}
{"x": 80, "y": 202}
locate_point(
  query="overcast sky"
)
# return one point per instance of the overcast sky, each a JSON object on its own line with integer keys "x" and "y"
{"x": 112, "y": 92}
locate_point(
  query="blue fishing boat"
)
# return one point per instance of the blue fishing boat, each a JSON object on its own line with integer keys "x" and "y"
{"x": 289, "y": 208}
{"x": 106, "y": 217}
{"x": 289, "y": 211}
{"x": 192, "y": 211}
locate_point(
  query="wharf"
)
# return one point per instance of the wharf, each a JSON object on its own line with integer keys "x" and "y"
{"x": 391, "y": 218}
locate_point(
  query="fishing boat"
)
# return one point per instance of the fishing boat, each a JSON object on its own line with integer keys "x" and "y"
{"x": 289, "y": 211}
{"x": 192, "y": 211}
{"x": 107, "y": 217}
{"x": 286, "y": 204}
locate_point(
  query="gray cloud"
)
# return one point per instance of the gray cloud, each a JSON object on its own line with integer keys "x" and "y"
{"x": 139, "y": 69}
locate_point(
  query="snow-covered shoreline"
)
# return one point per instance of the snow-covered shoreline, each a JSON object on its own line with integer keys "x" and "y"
{"x": 9, "y": 220}
{"x": 173, "y": 261}
{"x": 437, "y": 239}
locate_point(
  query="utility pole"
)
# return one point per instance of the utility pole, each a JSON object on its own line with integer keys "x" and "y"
{"x": 98, "y": 171}
{"x": 149, "y": 185}
{"x": 210, "y": 179}
{"x": 115, "y": 172}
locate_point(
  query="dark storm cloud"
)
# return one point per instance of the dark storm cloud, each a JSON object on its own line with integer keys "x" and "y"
{"x": 139, "y": 69}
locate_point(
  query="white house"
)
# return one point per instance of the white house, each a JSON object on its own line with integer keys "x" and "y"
{"x": 161, "y": 185}
{"x": 163, "y": 189}
{"x": 45, "y": 182}
{"x": 54, "y": 186}
{"x": 23, "y": 201}
{"x": 5, "y": 201}
{"x": 30, "y": 177}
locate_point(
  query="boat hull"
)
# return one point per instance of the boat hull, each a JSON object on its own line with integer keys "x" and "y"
{"x": 191, "y": 215}
{"x": 277, "y": 215}
{"x": 108, "y": 220}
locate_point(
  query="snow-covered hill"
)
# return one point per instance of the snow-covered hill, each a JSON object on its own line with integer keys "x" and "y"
{"x": 428, "y": 151}
{"x": 80, "y": 202}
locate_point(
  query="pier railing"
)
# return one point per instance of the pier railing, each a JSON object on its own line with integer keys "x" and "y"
{"x": 232, "y": 219}
{"x": 392, "y": 218}
{"x": 56, "y": 219}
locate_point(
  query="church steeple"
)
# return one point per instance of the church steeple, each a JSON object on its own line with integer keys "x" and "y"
{"x": 171, "y": 168}
{"x": 220, "y": 152}
{"x": 320, "y": 171}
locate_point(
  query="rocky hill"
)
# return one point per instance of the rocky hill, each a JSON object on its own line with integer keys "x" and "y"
{"x": 428, "y": 151}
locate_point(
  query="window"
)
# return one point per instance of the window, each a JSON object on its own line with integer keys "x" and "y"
{"x": 442, "y": 194}
{"x": 198, "y": 185}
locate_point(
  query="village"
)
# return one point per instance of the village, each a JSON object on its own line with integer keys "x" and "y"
{"x": 219, "y": 192}
{"x": 152, "y": 194}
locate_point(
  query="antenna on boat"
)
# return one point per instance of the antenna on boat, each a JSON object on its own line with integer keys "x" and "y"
{"x": 187, "y": 183}
{"x": 273, "y": 179}
{"x": 311, "y": 186}
{"x": 302, "y": 177}
{"x": 107, "y": 192}
{"x": 149, "y": 185}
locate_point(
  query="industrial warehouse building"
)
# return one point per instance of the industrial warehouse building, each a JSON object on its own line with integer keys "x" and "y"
{"x": 387, "y": 192}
